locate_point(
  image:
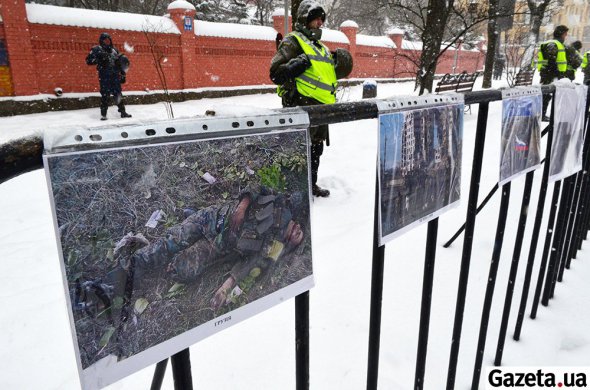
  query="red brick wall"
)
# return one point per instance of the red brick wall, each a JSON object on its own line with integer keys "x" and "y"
{"x": 231, "y": 62}
{"x": 60, "y": 54}
{"x": 18, "y": 43}
{"x": 44, "y": 57}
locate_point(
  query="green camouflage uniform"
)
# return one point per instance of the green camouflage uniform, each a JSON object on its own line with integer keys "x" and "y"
{"x": 205, "y": 237}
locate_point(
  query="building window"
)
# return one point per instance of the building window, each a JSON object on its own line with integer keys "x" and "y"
{"x": 3, "y": 54}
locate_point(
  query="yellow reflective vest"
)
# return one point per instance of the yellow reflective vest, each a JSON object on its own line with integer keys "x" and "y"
{"x": 561, "y": 59}
{"x": 319, "y": 80}
{"x": 585, "y": 60}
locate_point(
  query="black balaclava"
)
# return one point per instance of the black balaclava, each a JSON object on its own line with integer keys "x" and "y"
{"x": 103, "y": 37}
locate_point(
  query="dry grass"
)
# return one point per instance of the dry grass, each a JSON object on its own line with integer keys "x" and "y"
{"x": 101, "y": 196}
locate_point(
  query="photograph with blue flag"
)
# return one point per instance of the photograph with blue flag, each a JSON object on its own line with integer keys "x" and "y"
{"x": 520, "y": 150}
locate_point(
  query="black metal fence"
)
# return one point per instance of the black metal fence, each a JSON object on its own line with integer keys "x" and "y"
{"x": 566, "y": 228}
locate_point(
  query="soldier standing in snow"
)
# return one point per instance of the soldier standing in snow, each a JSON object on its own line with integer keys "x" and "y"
{"x": 112, "y": 68}
{"x": 574, "y": 59}
{"x": 307, "y": 74}
{"x": 552, "y": 62}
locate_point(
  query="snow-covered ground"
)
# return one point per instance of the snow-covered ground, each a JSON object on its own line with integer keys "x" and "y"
{"x": 36, "y": 348}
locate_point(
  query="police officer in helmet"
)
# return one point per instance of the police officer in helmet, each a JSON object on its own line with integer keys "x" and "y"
{"x": 307, "y": 72}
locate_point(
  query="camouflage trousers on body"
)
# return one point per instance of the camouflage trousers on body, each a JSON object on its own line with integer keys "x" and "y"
{"x": 188, "y": 248}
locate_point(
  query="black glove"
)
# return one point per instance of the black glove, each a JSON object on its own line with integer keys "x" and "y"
{"x": 298, "y": 65}
{"x": 123, "y": 78}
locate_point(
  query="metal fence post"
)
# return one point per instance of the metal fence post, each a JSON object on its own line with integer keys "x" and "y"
{"x": 376, "y": 299}
{"x": 558, "y": 238}
{"x": 482, "y": 118}
{"x": 534, "y": 239}
{"x": 546, "y": 247}
{"x": 302, "y": 341}
{"x": 485, "y": 315}
{"x": 181, "y": 370}
{"x": 426, "y": 304}
{"x": 159, "y": 373}
{"x": 514, "y": 266}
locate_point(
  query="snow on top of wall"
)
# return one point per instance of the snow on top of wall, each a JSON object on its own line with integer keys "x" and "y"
{"x": 370, "y": 40}
{"x": 232, "y": 30}
{"x": 279, "y": 12}
{"x": 64, "y": 16}
{"x": 411, "y": 45}
{"x": 334, "y": 36}
{"x": 395, "y": 31}
{"x": 181, "y": 4}
{"x": 349, "y": 23}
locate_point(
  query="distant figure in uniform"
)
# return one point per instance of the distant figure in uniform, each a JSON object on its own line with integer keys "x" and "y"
{"x": 112, "y": 69}
{"x": 499, "y": 63}
{"x": 307, "y": 73}
{"x": 552, "y": 62}
{"x": 586, "y": 68}
{"x": 574, "y": 59}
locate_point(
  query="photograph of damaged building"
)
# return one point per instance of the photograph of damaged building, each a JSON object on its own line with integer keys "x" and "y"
{"x": 419, "y": 166}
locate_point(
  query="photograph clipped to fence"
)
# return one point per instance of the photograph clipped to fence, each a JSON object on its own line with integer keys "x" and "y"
{"x": 568, "y": 131}
{"x": 419, "y": 161}
{"x": 520, "y": 150}
{"x": 162, "y": 245}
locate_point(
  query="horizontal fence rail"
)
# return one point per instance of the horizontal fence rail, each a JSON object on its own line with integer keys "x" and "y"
{"x": 23, "y": 155}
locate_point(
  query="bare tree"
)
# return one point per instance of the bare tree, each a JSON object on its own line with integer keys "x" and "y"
{"x": 492, "y": 43}
{"x": 439, "y": 24}
{"x": 539, "y": 10}
{"x": 152, "y": 34}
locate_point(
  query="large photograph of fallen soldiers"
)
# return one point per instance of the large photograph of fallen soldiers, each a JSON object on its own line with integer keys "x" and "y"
{"x": 157, "y": 240}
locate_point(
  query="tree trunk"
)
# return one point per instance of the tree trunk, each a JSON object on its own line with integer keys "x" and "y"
{"x": 536, "y": 20}
{"x": 294, "y": 7}
{"x": 492, "y": 44}
{"x": 432, "y": 36}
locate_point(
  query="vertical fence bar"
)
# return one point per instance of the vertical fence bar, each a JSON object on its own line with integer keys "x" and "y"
{"x": 429, "y": 260}
{"x": 534, "y": 239}
{"x": 524, "y": 209}
{"x": 570, "y": 227}
{"x": 480, "y": 135}
{"x": 584, "y": 196}
{"x": 181, "y": 370}
{"x": 562, "y": 250}
{"x": 546, "y": 247}
{"x": 302, "y": 341}
{"x": 159, "y": 373}
{"x": 575, "y": 216}
{"x": 557, "y": 243}
{"x": 485, "y": 315}
{"x": 581, "y": 187}
{"x": 376, "y": 299}
{"x": 583, "y": 209}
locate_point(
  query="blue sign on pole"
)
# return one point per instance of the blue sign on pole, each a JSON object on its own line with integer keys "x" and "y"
{"x": 188, "y": 23}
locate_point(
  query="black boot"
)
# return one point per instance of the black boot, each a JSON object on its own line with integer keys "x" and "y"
{"x": 125, "y": 115}
{"x": 103, "y": 114}
{"x": 319, "y": 191}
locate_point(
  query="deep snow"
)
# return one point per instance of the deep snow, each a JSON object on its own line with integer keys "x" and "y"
{"x": 36, "y": 346}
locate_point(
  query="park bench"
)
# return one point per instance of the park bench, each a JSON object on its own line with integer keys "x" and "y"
{"x": 457, "y": 83}
{"x": 524, "y": 77}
